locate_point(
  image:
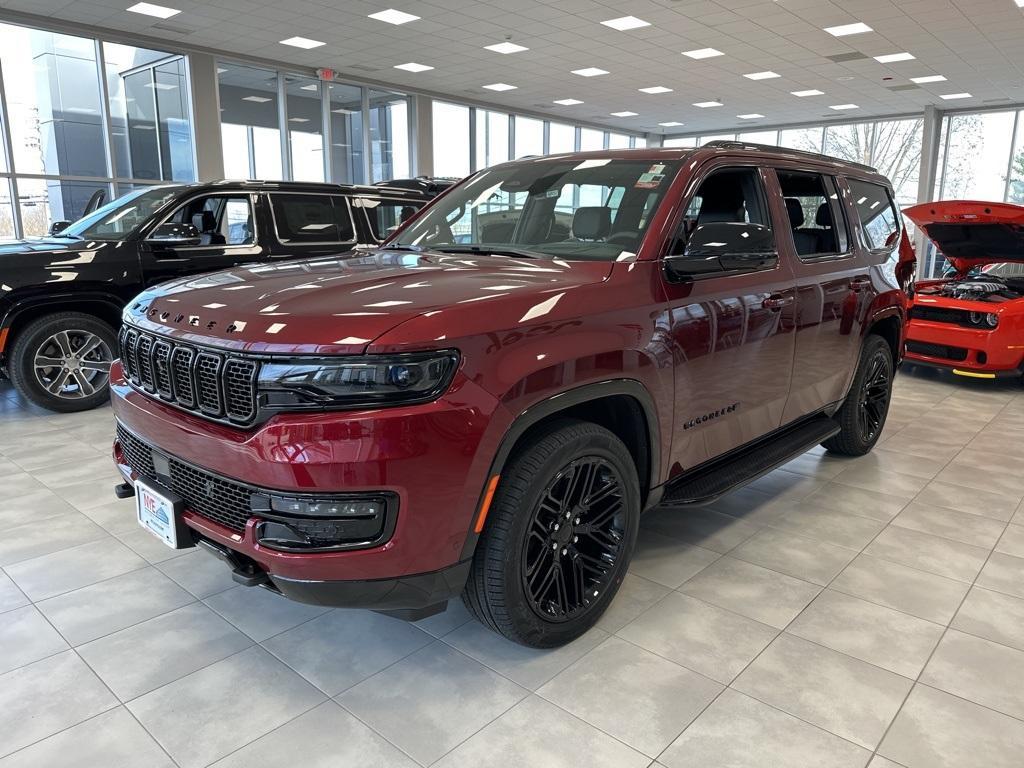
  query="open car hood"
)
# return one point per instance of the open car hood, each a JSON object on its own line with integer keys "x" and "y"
{"x": 971, "y": 233}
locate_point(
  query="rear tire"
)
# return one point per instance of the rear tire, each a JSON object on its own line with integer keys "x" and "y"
{"x": 560, "y": 533}
{"x": 62, "y": 361}
{"x": 862, "y": 415}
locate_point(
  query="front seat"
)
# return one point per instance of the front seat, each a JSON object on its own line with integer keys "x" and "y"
{"x": 206, "y": 223}
{"x": 805, "y": 242}
{"x": 592, "y": 222}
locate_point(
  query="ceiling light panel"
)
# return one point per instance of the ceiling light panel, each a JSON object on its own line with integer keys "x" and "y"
{"x": 751, "y": 116}
{"x": 706, "y": 104}
{"x": 930, "y": 78}
{"x": 843, "y": 30}
{"x": 506, "y": 48}
{"x": 671, "y": 124}
{"x": 157, "y": 11}
{"x": 302, "y": 42}
{"x": 391, "y": 16}
{"x": 626, "y": 22}
{"x": 412, "y": 66}
{"x": 808, "y": 92}
{"x": 655, "y": 89}
{"x": 703, "y": 53}
{"x": 843, "y": 107}
{"x": 951, "y": 96}
{"x": 891, "y": 58}
{"x": 624, "y": 114}
{"x": 567, "y": 102}
{"x": 500, "y": 87}
{"x": 766, "y": 75}
{"x": 590, "y": 72}
{"x": 256, "y": 99}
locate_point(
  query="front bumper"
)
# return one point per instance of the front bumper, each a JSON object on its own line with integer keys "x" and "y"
{"x": 996, "y": 353}
{"x": 433, "y": 458}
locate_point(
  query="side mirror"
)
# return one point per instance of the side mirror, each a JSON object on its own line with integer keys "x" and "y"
{"x": 175, "y": 235}
{"x": 59, "y": 226}
{"x": 725, "y": 246}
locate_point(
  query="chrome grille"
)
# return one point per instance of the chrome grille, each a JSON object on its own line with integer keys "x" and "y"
{"x": 214, "y": 384}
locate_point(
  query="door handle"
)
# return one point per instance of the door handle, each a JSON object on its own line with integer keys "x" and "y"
{"x": 777, "y": 302}
{"x": 860, "y": 283}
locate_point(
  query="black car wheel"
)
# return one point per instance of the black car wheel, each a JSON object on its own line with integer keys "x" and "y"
{"x": 560, "y": 533}
{"x": 62, "y": 361}
{"x": 862, "y": 416}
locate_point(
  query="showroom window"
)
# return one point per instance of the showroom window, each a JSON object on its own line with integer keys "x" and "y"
{"x": 86, "y": 120}
{"x": 529, "y": 136}
{"x": 345, "y": 103}
{"x": 249, "y": 117}
{"x": 389, "y": 136}
{"x": 305, "y": 128}
{"x": 451, "y": 140}
{"x": 491, "y": 138}
{"x": 561, "y": 138}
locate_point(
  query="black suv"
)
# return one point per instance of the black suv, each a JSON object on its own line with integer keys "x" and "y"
{"x": 61, "y": 296}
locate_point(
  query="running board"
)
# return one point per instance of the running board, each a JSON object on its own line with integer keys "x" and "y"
{"x": 715, "y": 479}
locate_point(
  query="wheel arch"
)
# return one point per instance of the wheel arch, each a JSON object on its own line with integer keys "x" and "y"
{"x": 623, "y": 406}
{"x": 102, "y": 306}
{"x": 889, "y": 325}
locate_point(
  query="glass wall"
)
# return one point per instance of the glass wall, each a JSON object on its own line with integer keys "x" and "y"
{"x": 326, "y": 128}
{"x": 491, "y": 138}
{"x": 562, "y": 138}
{"x": 451, "y": 140}
{"x": 86, "y": 117}
{"x": 529, "y": 136}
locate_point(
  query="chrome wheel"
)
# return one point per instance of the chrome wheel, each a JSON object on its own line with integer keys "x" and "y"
{"x": 874, "y": 400}
{"x": 575, "y": 539}
{"x": 72, "y": 364}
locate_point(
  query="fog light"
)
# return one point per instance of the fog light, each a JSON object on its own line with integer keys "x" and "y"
{"x": 327, "y": 508}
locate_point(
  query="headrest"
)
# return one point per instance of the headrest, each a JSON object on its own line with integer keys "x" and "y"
{"x": 795, "y": 211}
{"x": 592, "y": 222}
{"x": 204, "y": 221}
{"x": 823, "y": 218}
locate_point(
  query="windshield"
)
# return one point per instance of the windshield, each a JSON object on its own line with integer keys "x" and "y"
{"x": 596, "y": 209}
{"x": 120, "y": 217}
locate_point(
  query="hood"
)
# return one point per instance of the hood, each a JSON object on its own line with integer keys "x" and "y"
{"x": 340, "y": 305}
{"x": 44, "y": 245}
{"x": 971, "y": 233}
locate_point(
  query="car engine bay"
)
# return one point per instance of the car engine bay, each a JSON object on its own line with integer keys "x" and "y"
{"x": 990, "y": 288}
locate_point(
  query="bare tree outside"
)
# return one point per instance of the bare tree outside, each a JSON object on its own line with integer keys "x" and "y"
{"x": 893, "y": 147}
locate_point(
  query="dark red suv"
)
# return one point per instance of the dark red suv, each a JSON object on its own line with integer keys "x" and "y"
{"x": 486, "y": 405}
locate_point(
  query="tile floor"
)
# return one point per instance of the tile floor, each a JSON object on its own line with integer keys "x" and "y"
{"x": 836, "y": 613}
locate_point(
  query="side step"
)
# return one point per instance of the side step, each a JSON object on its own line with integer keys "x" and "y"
{"x": 710, "y": 481}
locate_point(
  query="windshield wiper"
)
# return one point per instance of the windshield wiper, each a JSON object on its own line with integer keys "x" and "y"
{"x": 401, "y": 247}
{"x": 493, "y": 250}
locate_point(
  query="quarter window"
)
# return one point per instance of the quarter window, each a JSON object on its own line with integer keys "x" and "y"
{"x": 311, "y": 219}
{"x": 815, "y": 217}
{"x": 386, "y": 216}
{"x": 877, "y": 213}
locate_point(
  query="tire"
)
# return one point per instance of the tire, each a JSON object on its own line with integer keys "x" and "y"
{"x": 862, "y": 416}
{"x": 526, "y": 527}
{"x": 71, "y": 384}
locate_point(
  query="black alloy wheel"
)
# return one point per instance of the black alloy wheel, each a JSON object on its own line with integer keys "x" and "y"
{"x": 874, "y": 396}
{"x": 862, "y": 415}
{"x": 576, "y": 538}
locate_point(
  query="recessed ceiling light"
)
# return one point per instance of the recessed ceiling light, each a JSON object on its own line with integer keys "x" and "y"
{"x": 149, "y": 9}
{"x": 310, "y": 87}
{"x": 257, "y": 99}
{"x": 506, "y": 47}
{"x": 590, "y": 72}
{"x": 500, "y": 87}
{"x": 706, "y": 104}
{"x": 567, "y": 102}
{"x": 849, "y": 29}
{"x": 841, "y": 107}
{"x": 391, "y": 16}
{"x": 672, "y": 124}
{"x": 626, "y": 22}
{"x": 627, "y": 113}
{"x": 703, "y": 53}
{"x": 751, "y": 116}
{"x": 655, "y": 89}
{"x": 889, "y": 58}
{"x": 949, "y": 96}
{"x": 412, "y": 66}
{"x": 808, "y": 92}
{"x": 298, "y": 119}
{"x": 931, "y": 78}
{"x": 302, "y": 42}
{"x": 766, "y": 75}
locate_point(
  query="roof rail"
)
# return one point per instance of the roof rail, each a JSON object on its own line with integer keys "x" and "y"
{"x": 732, "y": 144}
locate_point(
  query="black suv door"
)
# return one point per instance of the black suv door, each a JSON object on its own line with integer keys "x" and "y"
{"x": 205, "y": 233}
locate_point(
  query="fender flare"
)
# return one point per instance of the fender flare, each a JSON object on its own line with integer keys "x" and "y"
{"x": 552, "y": 406}
{"x": 59, "y": 302}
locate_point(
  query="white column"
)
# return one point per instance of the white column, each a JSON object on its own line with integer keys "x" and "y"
{"x": 202, "y": 70}
{"x": 655, "y": 140}
{"x": 422, "y": 136}
{"x": 931, "y": 137}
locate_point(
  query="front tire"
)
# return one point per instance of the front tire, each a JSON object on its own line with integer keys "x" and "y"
{"x": 62, "y": 361}
{"x": 560, "y": 534}
{"x": 862, "y": 415}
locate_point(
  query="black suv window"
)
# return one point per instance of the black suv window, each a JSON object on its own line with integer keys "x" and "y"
{"x": 301, "y": 218}
{"x": 385, "y": 216}
{"x": 219, "y": 219}
{"x": 732, "y": 196}
{"x": 812, "y": 203}
{"x": 877, "y": 212}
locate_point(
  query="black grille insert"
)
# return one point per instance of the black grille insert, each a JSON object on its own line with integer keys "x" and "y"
{"x": 944, "y": 315}
{"x": 937, "y": 350}
{"x": 212, "y": 383}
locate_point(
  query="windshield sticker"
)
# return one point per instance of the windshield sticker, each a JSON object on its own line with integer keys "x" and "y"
{"x": 650, "y": 180}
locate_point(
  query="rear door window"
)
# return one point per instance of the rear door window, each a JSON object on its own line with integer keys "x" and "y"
{"x": 310, "y": 218}
{"x": 815, "y": 217}
{"x": 877, "y": 213}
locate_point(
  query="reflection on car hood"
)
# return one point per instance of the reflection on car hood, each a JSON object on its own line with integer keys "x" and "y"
{"x": 340, "y": 305}
{"x": 970, "y": 233}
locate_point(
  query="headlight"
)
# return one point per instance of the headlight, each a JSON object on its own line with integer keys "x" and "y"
{"x": 991, "y": 320}
{"x": 367, "y": 381}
